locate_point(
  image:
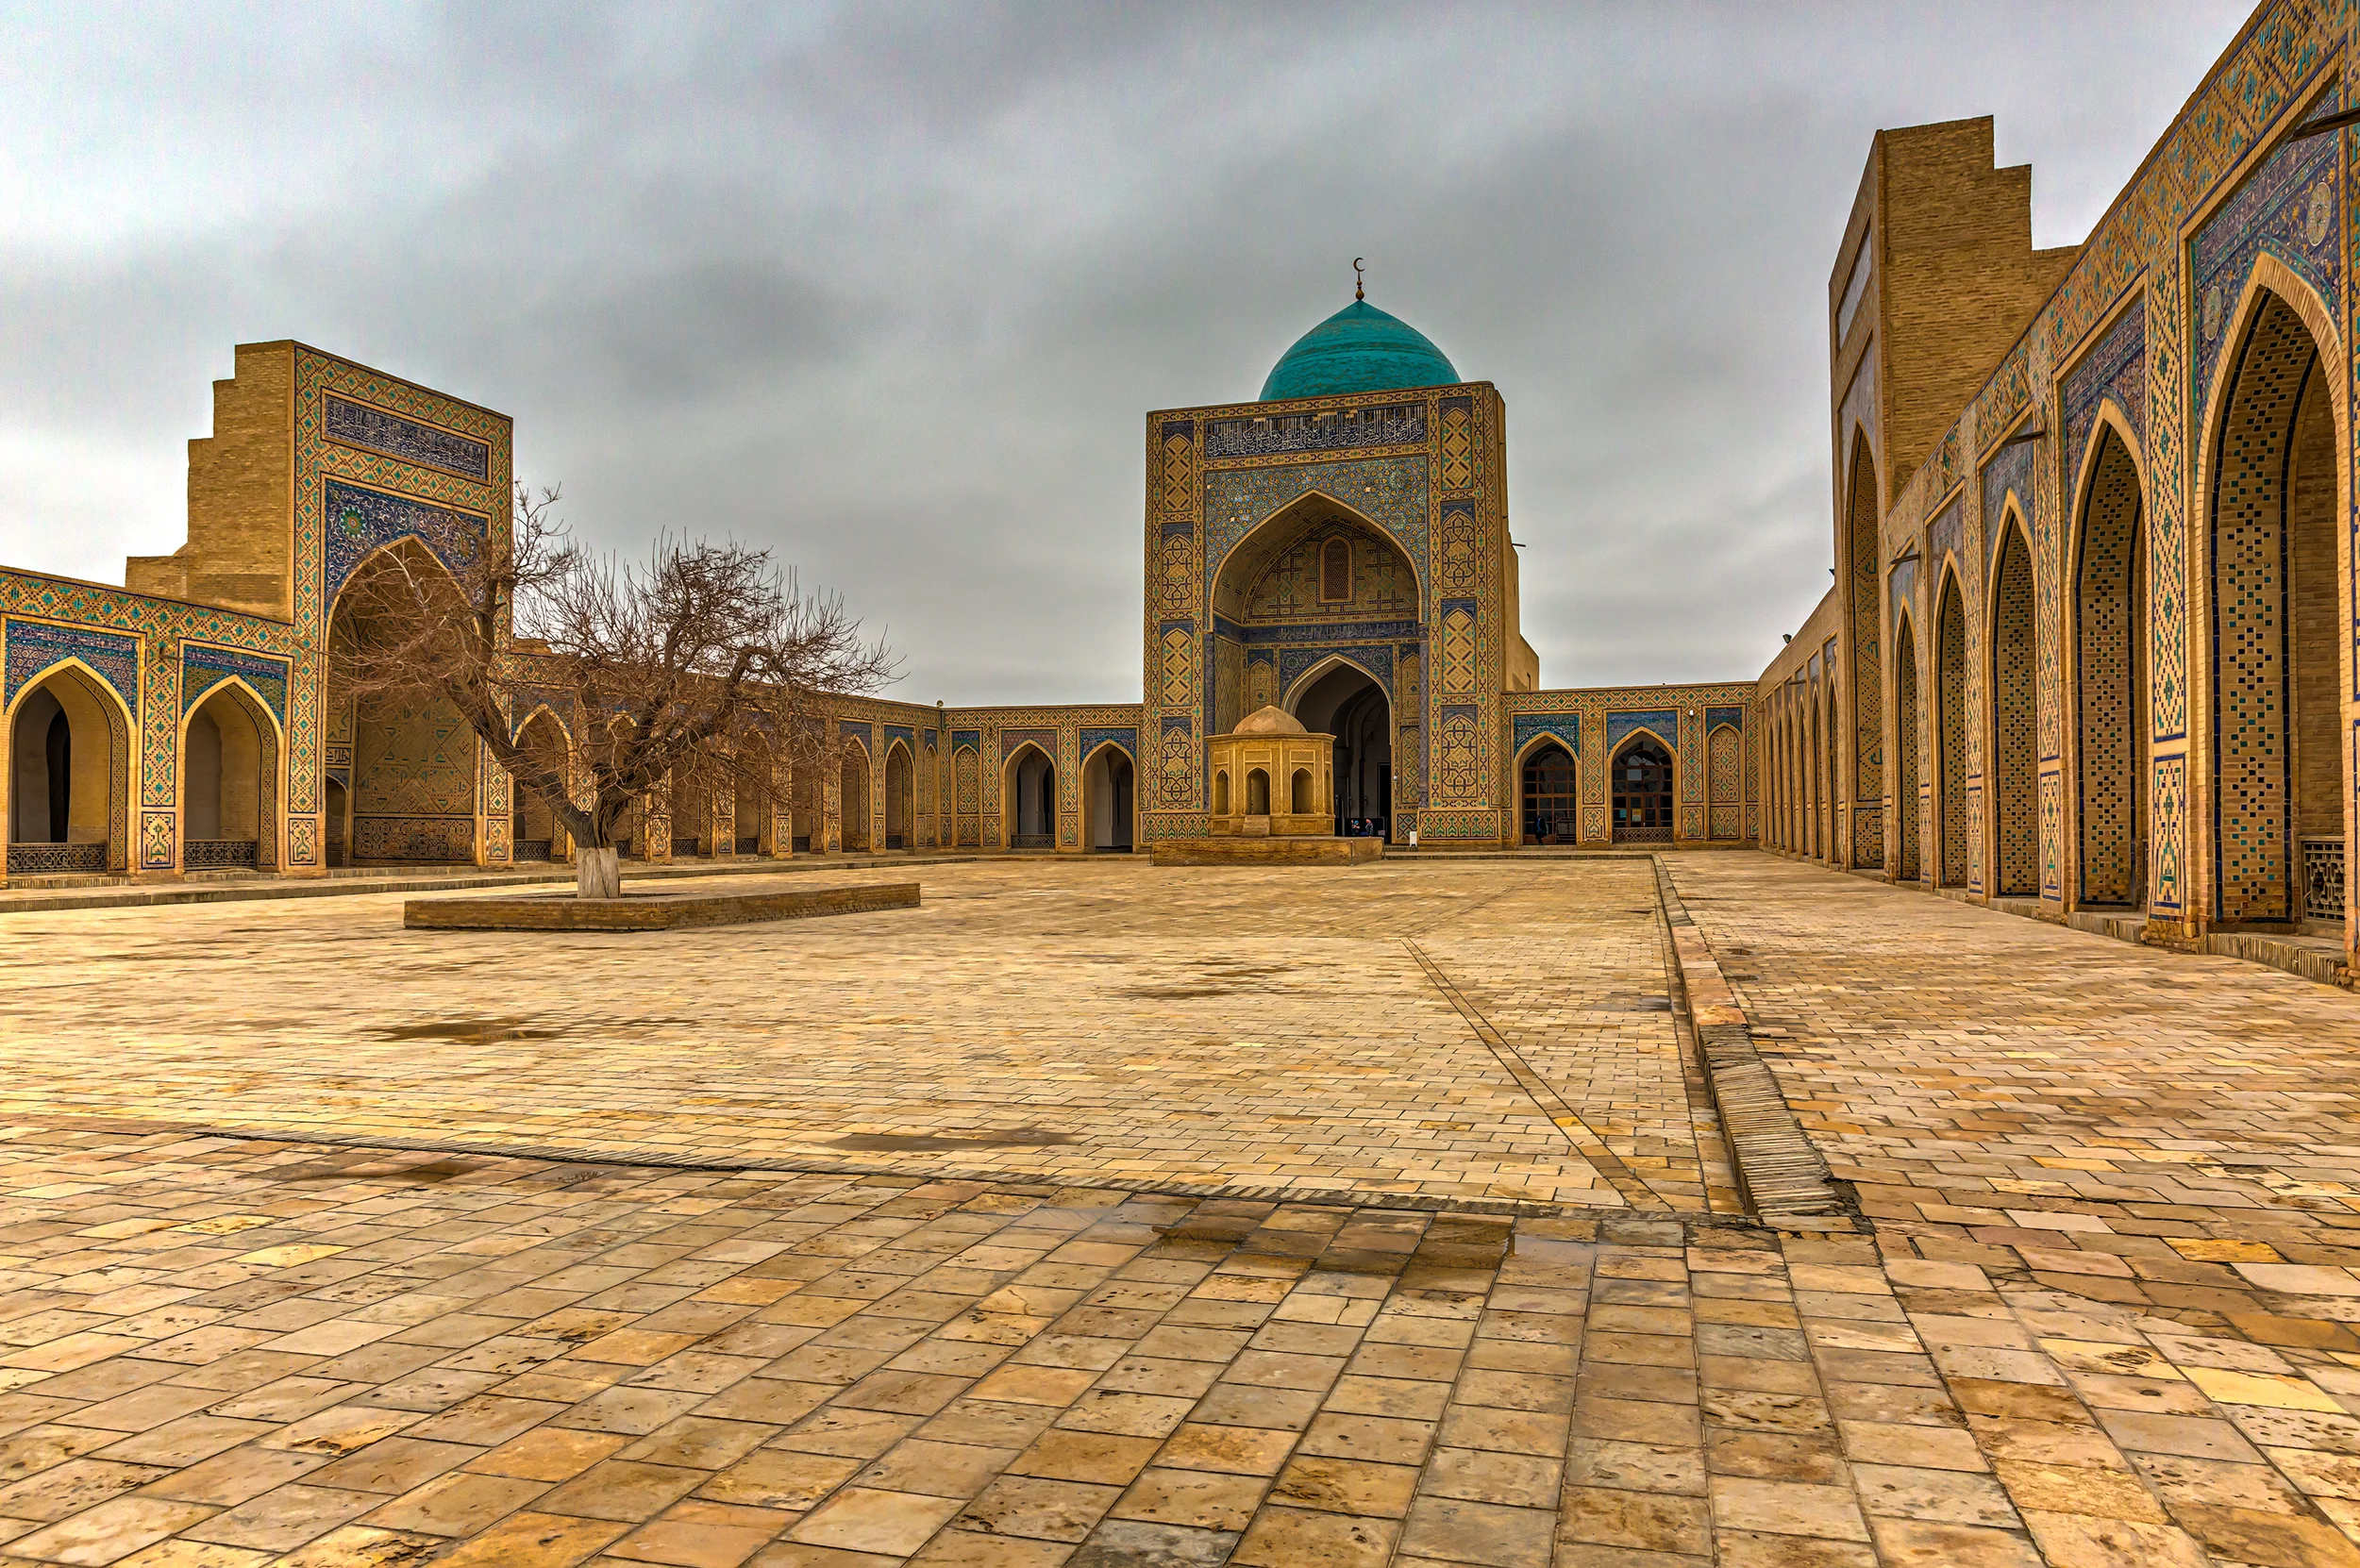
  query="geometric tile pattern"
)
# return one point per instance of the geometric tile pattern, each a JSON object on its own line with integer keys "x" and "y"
{"x": 2254, "y": 790}
{"x": 1951, "y": 695}
{"x": 1906, "y": 805}
{"x": 2015, "y": 722}
{"x": 2110, "y": 719}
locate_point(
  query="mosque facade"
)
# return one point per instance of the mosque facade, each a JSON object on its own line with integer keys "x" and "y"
{"x": 2091, "y": 645}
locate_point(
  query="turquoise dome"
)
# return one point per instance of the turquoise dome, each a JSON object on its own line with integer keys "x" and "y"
{"x": 1358, "y": 349}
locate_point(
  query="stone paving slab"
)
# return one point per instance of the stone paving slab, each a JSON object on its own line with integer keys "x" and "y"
{"x": 1961, "y": 1065}
{"x": 1195, "y": 1029}
{"x": 224, "y": 1353}
{"x": 230, "y": 1354}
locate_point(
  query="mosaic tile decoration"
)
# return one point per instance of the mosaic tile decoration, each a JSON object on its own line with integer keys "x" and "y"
{"x": 202, "y": 668}
{"x": 2286, "y": 208}
{"x": 1013, "y": 741}
{"x": 2108, "y": 720}
{"x": 2253, "y": 797}
{"x": 1951, "y": 735}
{"x": 32, "y": 647}
{"x": 390, "y": 434}
{"x": 1331, "y": 430}
{"x": 1374, "y": 660}
{"x": 1127, "y": 738}
{"x": 359, "y": 522}
{"x": 2015, "y": 759}
{"x": 1716, "y": 717}
{"x": 1567, "y": 727}
{"x": 2114, "y": 370}
{"x": 1906, "y": 807}
{"x": 1663, "y": 723}
{"x": 1388, "y": 491}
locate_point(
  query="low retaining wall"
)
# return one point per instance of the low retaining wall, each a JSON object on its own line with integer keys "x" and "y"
{"x": 1267, "y": 851}
{"x": 649, "y": 912}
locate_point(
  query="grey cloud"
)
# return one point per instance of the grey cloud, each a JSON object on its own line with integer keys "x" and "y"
{"x": 890, "y": 288}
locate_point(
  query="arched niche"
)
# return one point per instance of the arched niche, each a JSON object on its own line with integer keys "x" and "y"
{"x": 1949, "y": 691}
{"x": 230, "y": 755}
{"x": 1027, "y": 794}
{"x": 2111, "y": 606}
{"x": 1643, "y": 777}
{"x": 412, "y": 783}
{"x": 1314, "y": 562}
{"x": 1340, "y": 698}
{"x": 2281, "y": 783}
{"x": 69, "y": 776}
{"x": 1547, "y": 804}
{"x": 535, "y": 833}
{"x": 1110, "y": 800}
{"x": 898, "y": 789}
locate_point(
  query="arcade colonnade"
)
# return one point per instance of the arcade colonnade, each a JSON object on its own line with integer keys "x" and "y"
{"x": 2091, "y": 641}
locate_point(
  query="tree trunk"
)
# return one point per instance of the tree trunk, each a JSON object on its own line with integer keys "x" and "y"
{"x": 597, "y": 873}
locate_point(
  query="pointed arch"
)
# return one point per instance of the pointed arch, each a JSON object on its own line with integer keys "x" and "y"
{"x": 1289, "y": 699}
{"x": 2108, "y": 741}
{"x": 1950, "y": 730}
{"x": 853, "y": 816}
{"x": 1548, "y": 776}
{"x": 1110, "y": 799}
{"x": 900, "y": 789}
{"x": 1643, "y": 775}
{"x": 231, "y": 778}
{"x": 1864, "y": 590}
{"x": 2011, "y": 670}
{"x": 1907, "y": 866}
{"x": 1245, "y": 559}
{"x": 70, "y": 785}
{"x": 2275, "y": 477}
{"x": 1028, "y": 791}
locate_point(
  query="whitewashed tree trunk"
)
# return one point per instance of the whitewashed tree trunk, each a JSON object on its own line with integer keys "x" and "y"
{"x": 597, "y": 873}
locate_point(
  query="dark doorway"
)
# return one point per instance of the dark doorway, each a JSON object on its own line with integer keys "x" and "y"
{"x": 1549, "y": 809}
{"x": 1643, "y": 795}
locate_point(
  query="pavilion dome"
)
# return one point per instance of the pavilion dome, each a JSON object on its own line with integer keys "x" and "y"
{"x": 1269, "y": 720}
{"x": 1358, "y": 349}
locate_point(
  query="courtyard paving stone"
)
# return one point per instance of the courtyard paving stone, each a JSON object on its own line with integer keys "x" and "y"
{"x": 232, "y": 1351}
{"x": 1205, "y": 1028}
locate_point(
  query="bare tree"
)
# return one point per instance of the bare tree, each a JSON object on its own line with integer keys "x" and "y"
{"x": 704, "y": 663}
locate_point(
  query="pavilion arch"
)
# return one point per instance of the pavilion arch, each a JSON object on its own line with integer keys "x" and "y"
{"x": 69, "y": 774}
{"x": 901, "y": 794}
{"x": 2109, "y": 604}
{"x": 1908, "y": 758}
{"x": 853, "y": 816}
{"x": 230, "y": 796}
{"x": 2011, "y": 670}
{"x": 1546, "y": 775}
{"x": 1642, "y": 782}
{"x": 534, "y": 831}
{"x": 1864, "y": 592}
{"x": 1833, "y": 713}
{"x": 2275, "y": 608}
{"x": 1028, "y": 797}
{"x": 1950, "y": 730}
{"x": 1110, "y": 799}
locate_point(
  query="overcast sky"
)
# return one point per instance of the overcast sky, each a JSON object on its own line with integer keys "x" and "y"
{"x": 890, "y": 288}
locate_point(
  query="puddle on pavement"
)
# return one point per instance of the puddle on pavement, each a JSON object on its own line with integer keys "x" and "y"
{"x": 895, "y": 1142}
{"x": 1219, "y": 978}
{"x": 469, "y": 1031}
{"x": 428, "y": 1173}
